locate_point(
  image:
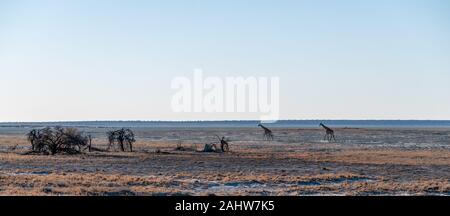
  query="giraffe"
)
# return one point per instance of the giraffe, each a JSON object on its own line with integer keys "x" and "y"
{"x": 329, "y": 133}
{"x": 268, "y": 135}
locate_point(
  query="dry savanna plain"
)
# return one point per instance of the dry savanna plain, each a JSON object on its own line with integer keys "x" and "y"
{"x": 169, "y": 161}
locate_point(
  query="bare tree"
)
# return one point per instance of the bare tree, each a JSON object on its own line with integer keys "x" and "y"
{"x": 53, "y": 140}
{"x": 124, "y": 138}
{"x": 212, "y": 147}
{"x": 33, "y": 137}
{"x": 224, "y": 144}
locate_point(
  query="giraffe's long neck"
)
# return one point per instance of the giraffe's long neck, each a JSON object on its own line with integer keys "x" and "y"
{"x": 326, "y": 128}
{"x": 266, "y": 129}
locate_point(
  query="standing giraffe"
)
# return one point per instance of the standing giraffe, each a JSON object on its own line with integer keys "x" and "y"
{"x": 268, "y": 135}
{"x": 329, "y": 133}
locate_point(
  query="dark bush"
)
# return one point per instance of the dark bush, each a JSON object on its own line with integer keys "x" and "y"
{"x": 213, "y": 147}
{"x": 53, "y": 140}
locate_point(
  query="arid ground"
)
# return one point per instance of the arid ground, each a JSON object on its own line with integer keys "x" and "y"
{"x": 297, "y": 163}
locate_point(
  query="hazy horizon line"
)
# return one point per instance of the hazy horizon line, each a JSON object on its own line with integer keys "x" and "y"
{"x": 230, "y": 120}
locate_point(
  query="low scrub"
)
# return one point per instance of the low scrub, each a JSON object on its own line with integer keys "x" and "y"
{"x": 53, "y": 140}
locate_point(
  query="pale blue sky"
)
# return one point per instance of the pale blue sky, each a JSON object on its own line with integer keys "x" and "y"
{"x": 348, "y": 59}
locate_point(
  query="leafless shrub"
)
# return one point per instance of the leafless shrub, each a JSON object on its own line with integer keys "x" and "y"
{"x": 53, "y": 140}
{"x": 124, "y": 138}
{"x": 179, "y": 146}
{"x": 212, "y": 147}
{"x": 224, "y": 146}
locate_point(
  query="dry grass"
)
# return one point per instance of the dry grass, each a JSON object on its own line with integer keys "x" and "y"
{"x": 385, "y": 156}
{"x": 113, "y": 184}
{"x": 252, "y": 168}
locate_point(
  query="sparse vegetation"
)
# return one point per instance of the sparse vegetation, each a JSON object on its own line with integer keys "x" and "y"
{"x": 180, "y": 147}
{"x": 292, "y": 167}
{"x": 224, "y": 146}
{"x": 53, "y": 140}
{"x": 212, "y": 147}
{"x": 124, "y": 138}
